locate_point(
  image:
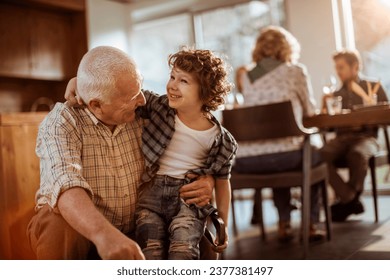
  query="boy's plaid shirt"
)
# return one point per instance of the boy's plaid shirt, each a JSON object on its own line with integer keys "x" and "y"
{"x": 158, "y": 132}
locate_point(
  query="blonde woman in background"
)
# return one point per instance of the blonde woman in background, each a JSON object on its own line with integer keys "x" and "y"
{"x": 275, "y": 77}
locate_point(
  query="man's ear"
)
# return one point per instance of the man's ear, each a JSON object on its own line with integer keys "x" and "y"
{"x": 96, "y": 106}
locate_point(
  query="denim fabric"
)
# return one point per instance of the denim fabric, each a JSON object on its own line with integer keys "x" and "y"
{"x": 168, "y": 228}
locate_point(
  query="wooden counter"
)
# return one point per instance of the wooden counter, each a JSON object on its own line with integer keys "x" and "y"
{"x": 19, "y": 181}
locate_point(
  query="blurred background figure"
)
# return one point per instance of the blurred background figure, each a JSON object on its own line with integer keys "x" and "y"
{"x": 239, "y": 72}
{"x": 275, "y": 77}
{"x": 353, "y": 147}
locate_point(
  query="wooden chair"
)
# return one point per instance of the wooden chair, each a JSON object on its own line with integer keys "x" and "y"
{"x": 274, "y": 121}
{"x": 380, "y": 159}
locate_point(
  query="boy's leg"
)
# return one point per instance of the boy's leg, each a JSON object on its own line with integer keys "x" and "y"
{"x": 186, "y": 231}
{"x": 52, "y": 238}
{"x": 151, "y": 234}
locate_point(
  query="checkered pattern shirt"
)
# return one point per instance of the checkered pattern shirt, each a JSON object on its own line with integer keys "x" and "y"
{"x": 76, "y": 150}
{"x": 158, "y": 133}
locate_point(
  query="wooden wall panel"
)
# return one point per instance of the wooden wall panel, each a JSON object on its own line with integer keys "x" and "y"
{"x": 78, "y": 39}
{"x": 14, "y": 42}
{"x": 40, "y": 49}
{"x": 51, "y": 53}
{"x": 18, "y": 95}
{"x": 19, "y": 177}
{"x": 73, "y": 5}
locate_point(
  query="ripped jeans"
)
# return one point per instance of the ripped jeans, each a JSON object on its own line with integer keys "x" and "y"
{"x": 166, "y": 227}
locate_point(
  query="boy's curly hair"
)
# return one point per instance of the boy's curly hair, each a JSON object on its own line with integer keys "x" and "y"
{"x": 210, "y": 71}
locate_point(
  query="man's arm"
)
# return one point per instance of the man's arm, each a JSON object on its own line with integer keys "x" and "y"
{"x": 381, "y": 94}
{"x": 77, "y": 209}
{"x": 59, "y": 149}
{"x": 199, "y": 192}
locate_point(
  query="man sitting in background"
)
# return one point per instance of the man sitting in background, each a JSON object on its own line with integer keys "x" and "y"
{"x": 353, "y": 146}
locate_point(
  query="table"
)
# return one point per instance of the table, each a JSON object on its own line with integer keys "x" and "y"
{"x": 378, "y": 115}
{"x": 367, "y": 116}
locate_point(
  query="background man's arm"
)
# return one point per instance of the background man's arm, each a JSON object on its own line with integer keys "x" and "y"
{"x": 381, "y": 94}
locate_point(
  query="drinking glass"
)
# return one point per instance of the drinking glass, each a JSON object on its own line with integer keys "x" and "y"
{"x": 334, "y": 105}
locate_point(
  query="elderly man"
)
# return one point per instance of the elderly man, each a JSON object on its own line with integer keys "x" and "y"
{"x": 91, "y": 163}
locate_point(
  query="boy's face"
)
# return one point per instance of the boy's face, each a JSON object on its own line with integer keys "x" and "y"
{"x": 183, "y": 91}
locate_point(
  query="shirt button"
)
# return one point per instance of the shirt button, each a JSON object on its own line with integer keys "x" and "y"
{"x": 164, "y": 146}
{"x": 126, "y": 195}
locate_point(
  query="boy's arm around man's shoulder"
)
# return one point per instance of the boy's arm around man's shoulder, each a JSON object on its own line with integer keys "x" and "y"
{"x": 153, "y": 102}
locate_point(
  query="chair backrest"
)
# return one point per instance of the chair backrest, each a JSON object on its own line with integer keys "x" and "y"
{"x": 262, "y": 122}
{"x": 387, "y": 142}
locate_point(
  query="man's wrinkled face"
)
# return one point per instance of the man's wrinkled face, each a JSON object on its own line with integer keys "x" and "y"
{"x": 128, "y": 97}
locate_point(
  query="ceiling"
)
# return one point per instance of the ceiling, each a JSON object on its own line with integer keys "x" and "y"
{"x": 144, "y": 10}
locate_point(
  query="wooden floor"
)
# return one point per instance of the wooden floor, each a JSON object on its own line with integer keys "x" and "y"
{"x": 360, "y": 238}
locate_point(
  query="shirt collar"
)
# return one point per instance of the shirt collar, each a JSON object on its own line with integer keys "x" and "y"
{"x": 215, "y": 120}
{"x": 95, "y": 120}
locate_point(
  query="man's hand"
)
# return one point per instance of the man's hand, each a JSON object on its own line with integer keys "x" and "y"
{"x": 199, "y": 192}
{"x": 114, "y": 245}
{"x": 71, "y": 95}
{"x": 77, "y": 208}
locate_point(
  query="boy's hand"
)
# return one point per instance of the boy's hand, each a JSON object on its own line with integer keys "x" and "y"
{"x": 71, "y": 95}
{"x": 221, "y": 248}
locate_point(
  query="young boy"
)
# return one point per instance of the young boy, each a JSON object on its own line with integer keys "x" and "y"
{"x": 183, "y": 138}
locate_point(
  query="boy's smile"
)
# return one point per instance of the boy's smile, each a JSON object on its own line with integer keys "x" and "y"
{"x": 174, "y": 96}
{"x": 183, "y": 91}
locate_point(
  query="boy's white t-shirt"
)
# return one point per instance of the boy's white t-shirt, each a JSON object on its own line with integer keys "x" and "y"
{"x": 187, "y": 150}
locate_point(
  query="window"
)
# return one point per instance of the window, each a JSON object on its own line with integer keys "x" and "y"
{"x": 151, "y": 43}
{"x": 231, "y": 31}
{"x": 372, "y": 34}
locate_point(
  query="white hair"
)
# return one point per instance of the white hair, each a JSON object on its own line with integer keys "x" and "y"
{"x": 99, "y": 70}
